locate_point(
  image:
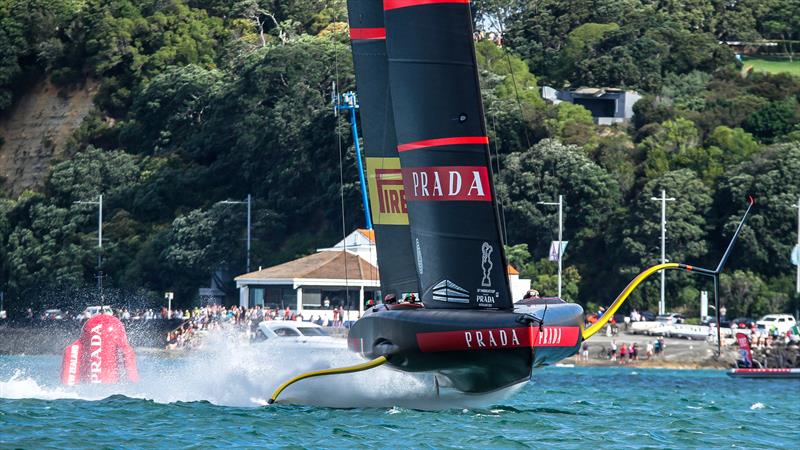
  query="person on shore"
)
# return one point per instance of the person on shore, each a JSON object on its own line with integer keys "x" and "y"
{"x": 613, "y": 352}
{"x": 649, "y": 350}
{"x": 585, "y": 351}
{"x": 623, "y": 352}
{"x": 335, "y": 317}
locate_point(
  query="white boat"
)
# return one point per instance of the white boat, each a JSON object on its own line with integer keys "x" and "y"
{"x": 295, "y": 333}
{"x": 642, "y": 327}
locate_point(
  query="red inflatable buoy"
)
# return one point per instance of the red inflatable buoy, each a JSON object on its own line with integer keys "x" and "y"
{"x": 93, "y": 358}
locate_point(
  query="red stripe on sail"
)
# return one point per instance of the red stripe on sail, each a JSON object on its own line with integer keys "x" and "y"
{"x": 357, "y": 34}
{"x": 443, "y": 141}
{"x": 497, "y": 338}
{"x": 397, "y": 4}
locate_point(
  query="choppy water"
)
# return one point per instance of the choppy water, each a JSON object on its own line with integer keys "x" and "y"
{"x": 216, "y": 400}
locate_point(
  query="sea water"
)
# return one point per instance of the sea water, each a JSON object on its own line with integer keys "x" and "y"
{"x": 216, "y": 398}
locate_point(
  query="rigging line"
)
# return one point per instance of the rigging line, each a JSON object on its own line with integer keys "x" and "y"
{"x": 514, "y": 82}
{"x": 500, "y": 198}
{"x": 341, "y": 182}
{"x": 519, "y": 103}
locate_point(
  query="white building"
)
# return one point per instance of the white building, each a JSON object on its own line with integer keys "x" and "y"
{"x": 345, "y": 274}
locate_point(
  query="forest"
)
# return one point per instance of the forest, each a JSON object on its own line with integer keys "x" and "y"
{"x": 201, "y": 101}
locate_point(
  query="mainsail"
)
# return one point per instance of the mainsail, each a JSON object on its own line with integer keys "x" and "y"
{"x": 444, "y": 154}
{"x": 387, "y": 195}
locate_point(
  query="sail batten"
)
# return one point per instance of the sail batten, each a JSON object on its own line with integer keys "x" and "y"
{"x": 439, "y": 142}
{"x": 397, "y": 4}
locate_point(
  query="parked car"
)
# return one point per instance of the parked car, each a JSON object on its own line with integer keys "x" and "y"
{"x": 92, "y": 311}
{"x": 53, "y": 314}
{"x": 290, "y": 332}
{"x": 742, "y": 322}
{"x": 783, "y": 322}
{"x": 648, "y": 316}
{"x": 671, "y": 318}
{"x": 711, "y": 320}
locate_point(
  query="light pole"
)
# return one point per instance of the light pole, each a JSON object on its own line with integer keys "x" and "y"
{"x": 169, "y": 296}
{"x": 663, "y": 199}
{"x": 247, "y": 202}
{"x": 560, "y": 245}
{"x": 99, "y": 203}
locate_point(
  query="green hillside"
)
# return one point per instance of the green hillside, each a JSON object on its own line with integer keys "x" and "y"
{"x": 198, "y": 101}
{"x": 773, "y": 66}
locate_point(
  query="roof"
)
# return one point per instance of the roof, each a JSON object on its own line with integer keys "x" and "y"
{"x": 369, "y": 234}
{"x": 597, "y": 92}
{"x": 512, "y": 270}
{"x": 330, "y": 265}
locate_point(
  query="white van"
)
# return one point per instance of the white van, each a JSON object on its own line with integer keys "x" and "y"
{"x": 783, "y": 322}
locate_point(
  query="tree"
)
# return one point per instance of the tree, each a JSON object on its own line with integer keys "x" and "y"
{"x": 774, "y": 119}
{"x": 171, "y": 107}
{"x": 93, "y": 172}
{"x": 590, "y": 196}
{"x": 45, "y": 246}
{"x": 745, "y": 293}
{"x": 570, "y": 123}
{"x": 579, "y": 42}
{"x": 686, "y": 91}
{"x": 687, "y": 227}
{"x": 675, "y": 146}
{"x": 616, "y": 153}
{"x": 735, "y": 144}
{"x": 544, "y": 273}
{"x": 544, "y": 278}
{"x": 510, "y": 95}
{"x": 538, "y": 30}
{"x": 772, "y": 177}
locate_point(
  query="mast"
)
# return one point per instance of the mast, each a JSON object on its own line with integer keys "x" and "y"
{"x": 444, "y": 154}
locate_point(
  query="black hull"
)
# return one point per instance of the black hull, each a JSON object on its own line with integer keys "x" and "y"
{"x": 476, "y": 351}
{"x": 561, "y": 318}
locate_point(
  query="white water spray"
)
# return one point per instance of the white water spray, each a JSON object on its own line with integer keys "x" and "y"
{"x": 231, "y": 373}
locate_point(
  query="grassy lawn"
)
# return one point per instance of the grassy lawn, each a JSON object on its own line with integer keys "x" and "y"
{"x": 773, "y": 66}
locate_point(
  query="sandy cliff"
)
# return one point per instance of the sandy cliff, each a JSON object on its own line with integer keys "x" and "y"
{"x": 36, "y": 130}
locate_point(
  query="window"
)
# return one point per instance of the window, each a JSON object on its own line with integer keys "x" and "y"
{"x": 286, "y": 332}
{"x": 257, "y": 296}
{"x": 279, "y": 297}
{"x": 312, "y": 331}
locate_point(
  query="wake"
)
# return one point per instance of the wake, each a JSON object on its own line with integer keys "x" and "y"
{"x": 228, "y": 372}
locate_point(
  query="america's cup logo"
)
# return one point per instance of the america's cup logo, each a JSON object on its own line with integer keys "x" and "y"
{"x": 486, "y": 264}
